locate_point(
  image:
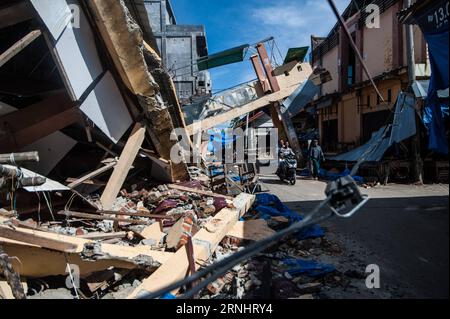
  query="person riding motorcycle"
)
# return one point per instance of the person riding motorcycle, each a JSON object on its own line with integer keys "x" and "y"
{"x": 287, "y": 164}
{"x": 286, "y": 151}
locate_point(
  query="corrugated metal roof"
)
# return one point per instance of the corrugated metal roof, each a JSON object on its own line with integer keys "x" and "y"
{"x": 402, "y": 128}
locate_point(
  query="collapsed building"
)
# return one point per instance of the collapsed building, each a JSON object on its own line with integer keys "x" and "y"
{"x": 88, "y": 108}
{"x": 90, "y": 95}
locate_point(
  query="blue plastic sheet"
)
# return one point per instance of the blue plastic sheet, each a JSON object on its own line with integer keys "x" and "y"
{"x": 334, "y": 176}
{"x": 436, "y": 34}
{"x": 309, "y": 268}
{"x": 268, "y": 206}
{"x": 323, "y": 174}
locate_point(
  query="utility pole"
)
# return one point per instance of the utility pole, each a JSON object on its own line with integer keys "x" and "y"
{"x": 410, "y": 52}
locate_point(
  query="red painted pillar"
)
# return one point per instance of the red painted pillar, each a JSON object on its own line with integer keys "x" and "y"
{"x": 267, "y": 67}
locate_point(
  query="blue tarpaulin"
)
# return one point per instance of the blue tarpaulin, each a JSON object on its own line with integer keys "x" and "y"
{"x": 329, "y": 176}
{"x": 334, "y": 176}
{"x": 268, "y": 206}
{"x": 435, "y": 29}
{"x": 220, "y": 142}
{"x": 309, "y": 268}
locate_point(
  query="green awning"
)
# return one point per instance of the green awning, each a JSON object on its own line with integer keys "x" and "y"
{"x": 296, "y": 54}
{"x": 222, "y": 58}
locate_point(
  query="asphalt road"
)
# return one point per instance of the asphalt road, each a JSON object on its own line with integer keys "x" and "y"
{"x": 403, "y": 229}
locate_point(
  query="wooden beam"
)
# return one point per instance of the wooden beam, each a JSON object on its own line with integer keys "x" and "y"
{"x": 138, "y": 214}
{"x": 254, "y": 230}
{"x": 35, "y": 262}
{"x": 123, "y": 167}
{"x": 103, "y": 236}
{"x": 205, "y": 243}
{"x": 102, "y": 217}
{"x": 125, "y": 44}
{"x": 198, "y": 191}
{"x": 36, "y": 238}
{"x": 19, "y": 46}
{"x": 5, "y": 291}
{"x": 153, "y": 232}
{"x": 93, "y": 174}
{"x": 27, "y": 245}
{"x": 72, "y": 244}
{"x": 28, "y": 125}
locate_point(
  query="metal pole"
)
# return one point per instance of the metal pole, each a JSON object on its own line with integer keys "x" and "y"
{"x": 355, "y": 48}
{"x": 246, "y": 130}
{"x": 20, "y": 158}
{"x": 410, "y": 53}
{"x": 410, "y": 50}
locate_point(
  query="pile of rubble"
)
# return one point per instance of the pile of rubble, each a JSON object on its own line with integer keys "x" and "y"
{"x": 108, "y": 248}
{"x": 273, "y": 275}
{"x": 97, "y": 208}
{"x": 152, "y": 237}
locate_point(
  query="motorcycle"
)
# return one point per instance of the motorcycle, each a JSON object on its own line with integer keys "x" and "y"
{"x": 287, "y": 169}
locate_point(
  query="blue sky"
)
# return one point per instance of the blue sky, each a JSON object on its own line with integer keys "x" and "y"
{"x": 230, "y": 23}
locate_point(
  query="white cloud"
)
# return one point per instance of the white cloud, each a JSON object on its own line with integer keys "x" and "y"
{"x": 292, "y": 22}
{"x": 287, "y": 16}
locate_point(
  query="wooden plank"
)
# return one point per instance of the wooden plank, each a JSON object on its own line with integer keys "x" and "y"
{"x": 37, "y": 238}
{"x": 153, "y": 232}
{"x": 93, "y": 174}
{"x": 5, "y": 291}
{"x": 103, "y": 236}
{"x": 124, "y": 44}
{"x": 174, "y": 234}
{"x": 87, "y": 182}
{"x": 198, "y": 191}
{"x": 35, "y": 262}
{"x": 137, "y": 214}
{"x": 27, "y": 246}
{"x": 19, "y": 46}
{"x": 205, "y": 243}
{"x": 109, "y": 251}
{"x": 102, "y": 217}
{"x": 123, "y": 166}
{"x": 254, "y": 230}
